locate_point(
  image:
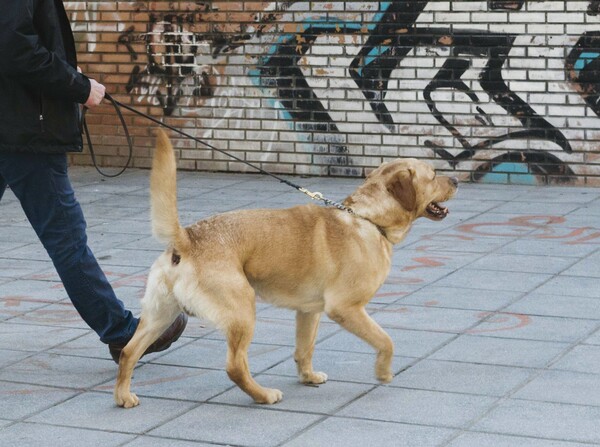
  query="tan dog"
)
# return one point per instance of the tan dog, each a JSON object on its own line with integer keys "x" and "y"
{"x": 308, "y": 258}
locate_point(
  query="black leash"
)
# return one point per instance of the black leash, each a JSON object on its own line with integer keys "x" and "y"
{"x": 118, "y": 105}
{"x": 91, "y": 146}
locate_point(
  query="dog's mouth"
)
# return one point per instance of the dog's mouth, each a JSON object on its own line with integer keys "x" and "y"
{"x": 435, "y": 211}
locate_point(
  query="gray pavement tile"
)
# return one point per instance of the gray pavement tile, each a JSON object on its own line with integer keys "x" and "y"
{"x": 583, "y": 358}
{"x": 586, "y": 267}
{"x": 204, "y": 353}
{"x": 342, "y": 366}
{"x": 500, "y": 351}
{"x": 242, "y": 426}
{"x": 493, "y": 280}
{"x": 556, "y": 306}
{"x": 428, "y": 318}
{"x": 60, "y": 314}
{"x": 149, "y": 243}
{"x": 544, "y": 420}
{"x": 87, "y": 345}
{"x": 175, "y": 382}
{"x": 594, "y": 339}
{"x": 110, "y": 213}
{"x": 60, "y": 371}
{"x": 522, "y": 263}
{"x": 360, "y": 433}
{"x": 30, "y": 337}
{"x": 100, "y": 241}
{"x": 408, "y": 343}
{"x": 98, "y": 411}
{"x": 36, "y": 289}
{"x": 439, "y": 244}
{"x": 8, "y": 357}
{"x": 563, "y": 387}
{"x": 532, "y": 207}
{"x": 467, "y": 378}
{"x": 485, "y": 439}
{"x": 202, "y": 204}
{"x": 461, "y": 298}
{"x": 113, "y": 258}
{"x": 21, "y": 400}
{"x": 505, "y": 225}
{"x": 124, "y": 226}
{"x": 121, "y": 201}
{"x": 399, "y": 278}
{"x": 39, "y": 435}
{"x": 572, "y": 286}
{"x": 407, "y": 260}
{"x": 589, "y": 209}
{"x": 281, "y": 332}
{"x": 150, "y": 441}
{"x": 419, "y": 407}
{"x": 34, "y": 252}
{"x": 547, "y": 247}
{"x": 322, "y": 399}
{"x": 509, "y": 325}
{"x": 17, "y": 268}
{"x": 15, "y": 305}
{"x": 559, "y": 195}
{"x": 467, "y": 204}
{"x": 22, "y": 232}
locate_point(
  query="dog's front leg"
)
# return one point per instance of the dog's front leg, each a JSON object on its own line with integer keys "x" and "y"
{"x": 307, "y": 325}
{"x": 356, "y": 320}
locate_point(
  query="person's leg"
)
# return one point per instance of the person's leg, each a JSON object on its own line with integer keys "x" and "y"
{"x": 41, "y": 184}
{"x": 2, "y": 186}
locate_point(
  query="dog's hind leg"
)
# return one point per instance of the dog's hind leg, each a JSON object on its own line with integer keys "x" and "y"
{"x": 239, "y": 330}
{"x": 159, "y": 310}
{"x": 307, "y": 325}
{"x": 356, "y": 320}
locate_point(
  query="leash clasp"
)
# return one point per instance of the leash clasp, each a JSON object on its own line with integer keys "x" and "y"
{"x": 312, "y": 195}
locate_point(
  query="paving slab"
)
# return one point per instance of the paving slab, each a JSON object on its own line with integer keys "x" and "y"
{"x": 544, "y": 420}
{"x": 420, "y": 407}
{"x": 493, "y": 312}
{"x": 483, "y": 439}
{"x": 360, "y": 433}
{"x": 36, "y": 435}
{"x": 242, "y": 426}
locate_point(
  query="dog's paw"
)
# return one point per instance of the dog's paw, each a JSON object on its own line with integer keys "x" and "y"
{"x": 271, "y": 396}
{"x": 315, "y": 378}
{"x": 385, "y": 377}
{"x": 129, "y": 400}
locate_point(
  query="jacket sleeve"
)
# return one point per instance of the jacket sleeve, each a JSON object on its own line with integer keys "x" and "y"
{"x": 24, "y": 57}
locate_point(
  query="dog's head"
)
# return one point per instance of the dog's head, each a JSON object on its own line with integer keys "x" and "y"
{"x": 401, "y": 191}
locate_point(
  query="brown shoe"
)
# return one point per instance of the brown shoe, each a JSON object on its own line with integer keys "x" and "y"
{"x": 163, "y": 342}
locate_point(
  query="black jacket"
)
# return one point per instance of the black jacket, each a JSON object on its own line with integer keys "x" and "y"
{"x": 40, "y": 87}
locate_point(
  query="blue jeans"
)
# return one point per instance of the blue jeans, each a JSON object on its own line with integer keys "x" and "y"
{"x": 41, "y": 184}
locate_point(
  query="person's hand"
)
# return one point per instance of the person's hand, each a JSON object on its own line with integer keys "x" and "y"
{"x": 96, "y": 94}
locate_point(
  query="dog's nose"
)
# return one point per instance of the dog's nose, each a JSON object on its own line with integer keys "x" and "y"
{"x": 454, "y": 181}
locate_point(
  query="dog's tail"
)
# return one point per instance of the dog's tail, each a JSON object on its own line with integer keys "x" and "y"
{"x": 163, "y": 196}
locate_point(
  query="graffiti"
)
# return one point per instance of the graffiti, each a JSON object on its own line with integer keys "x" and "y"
{"x": 171, "y": 47}
{"x": 392, "y": 37}
{"x": 266, "y": 59}
{"x": 583, "y": 68}
{"x": 537, "y": 227}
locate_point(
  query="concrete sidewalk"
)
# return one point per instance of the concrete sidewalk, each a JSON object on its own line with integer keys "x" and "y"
{"x": 495, "y": 314}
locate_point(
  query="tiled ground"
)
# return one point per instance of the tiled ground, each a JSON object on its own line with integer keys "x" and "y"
{"x": 495, "y": 314}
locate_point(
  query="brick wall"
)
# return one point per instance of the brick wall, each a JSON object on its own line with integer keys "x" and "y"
{"x": 493, "y": 91}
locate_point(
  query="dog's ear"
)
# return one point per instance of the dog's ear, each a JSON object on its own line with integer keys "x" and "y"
{"x": 403, "y": 189}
